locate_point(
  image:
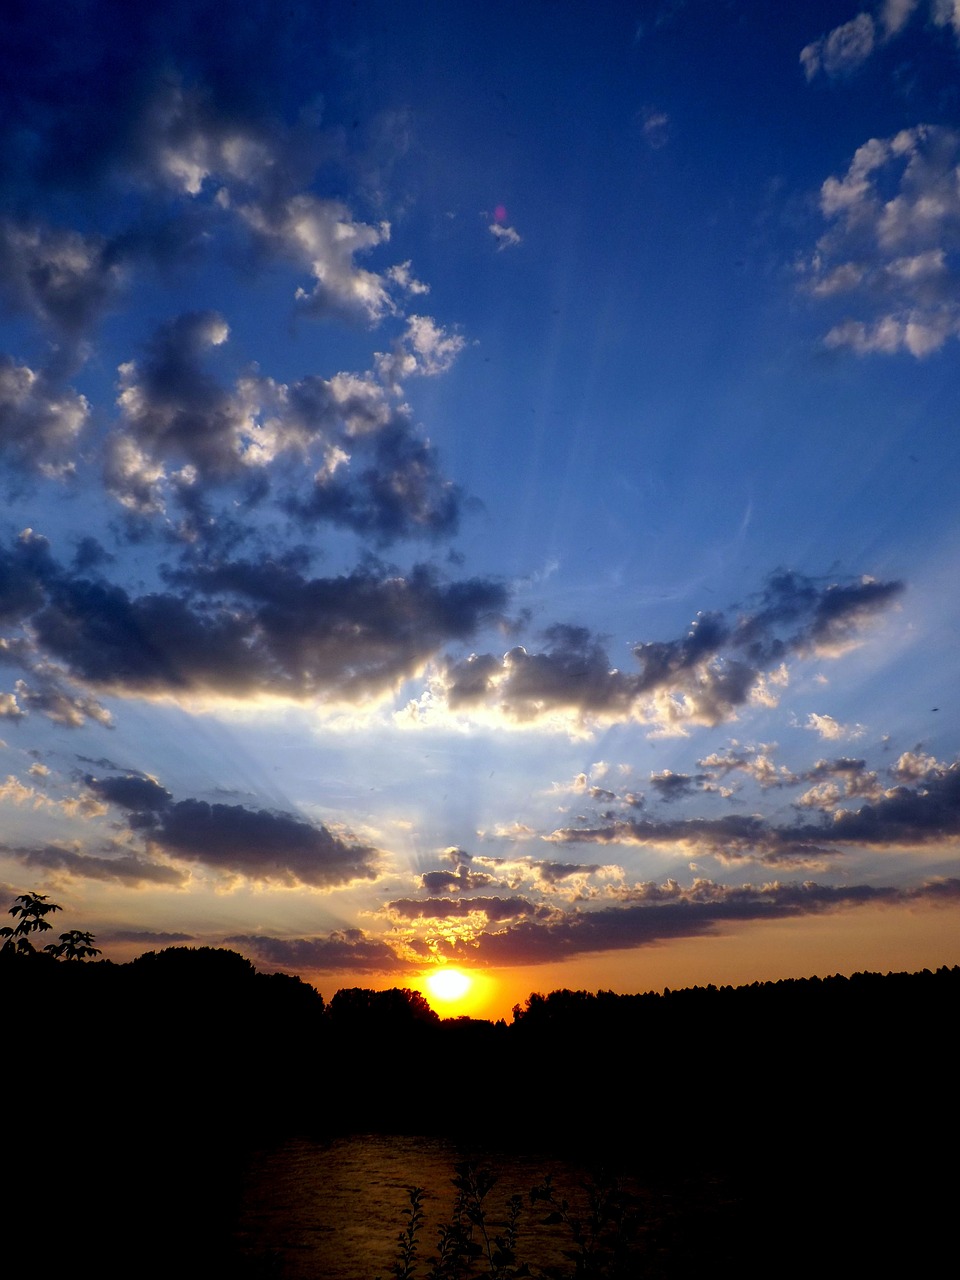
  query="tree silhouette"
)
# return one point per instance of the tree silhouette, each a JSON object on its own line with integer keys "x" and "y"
{"x": 30, "y": 915}
{"x": 75, "y": 945}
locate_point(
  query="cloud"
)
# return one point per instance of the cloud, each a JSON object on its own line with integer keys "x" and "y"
{"x": 243, "y": 629}
{"x": 260, "y": 845}
{"x": 40, "y": 421}
{"x": 145, "y": 937}
{"x": 705, "y": 677}
{"x": 323, "y": 236}
{"x": 890, "y": 249}
{"x": 183, "y": 433}
{"x": 344, "y": 949}
{"x": 257, "y": 843}
{"x": 835, "y": 780}
{"x": 506, "y": 237}
{"x": 425, "y": 349}
{"x": 841, "y": 50}
{"x": 63, "y": 279}
{"x": 403, "y": 277}
{"x": 173, "y": 410}
{"x": 453, "y": 881}
{"x": 186, "y": 142}
{"x": 110, "y": 106}
{"x": 493, "y": 910}
{"x": 755, "y": 763}
{"x": 655, "y": 127}
{"x": 900, "y": 817}
{"x": 913, "y": 765}
{"x": 832, "y": 729}
{"x": 674, "y": 786}
{"x": 552, "y": 873}
{"x": 125, "y": 868}
{"x": 895, "y": 14}
{"x": 652, "y": 913}
{"x": 946, "y": 13}
{"x": 50, "y": 696}
{"x": 132, "y": 791}
{"x": 730, "y": 838}
{"x": 402, "y": 493}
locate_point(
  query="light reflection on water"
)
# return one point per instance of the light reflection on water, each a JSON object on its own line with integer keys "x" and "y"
{"x": 332, "y": 1210}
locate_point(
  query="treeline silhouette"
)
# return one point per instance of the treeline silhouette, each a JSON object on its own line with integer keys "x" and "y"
{"x": 823, "y": 1110}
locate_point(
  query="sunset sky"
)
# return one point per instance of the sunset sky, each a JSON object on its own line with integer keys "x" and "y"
{"x": 482, "y": 485}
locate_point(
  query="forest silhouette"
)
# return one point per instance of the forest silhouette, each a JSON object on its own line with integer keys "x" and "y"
{"x": 823, "y": 1111}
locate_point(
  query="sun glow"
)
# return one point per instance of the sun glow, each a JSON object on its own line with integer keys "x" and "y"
{"x": 448, "y": 985}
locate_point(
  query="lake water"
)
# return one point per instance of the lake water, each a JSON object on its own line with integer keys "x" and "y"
{"x": 332, "y": 1210}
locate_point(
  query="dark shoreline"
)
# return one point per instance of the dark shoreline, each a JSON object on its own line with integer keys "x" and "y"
{"x": 801, "y": 1120}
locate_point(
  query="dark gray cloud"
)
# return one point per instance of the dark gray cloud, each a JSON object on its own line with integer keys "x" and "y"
{"x": 174, "y": 409}
{"x": 40, "y": 420}
{"x": 146, "y": 937}
{"x": 557, "y": 872}
{"x": 240, "y": 629}
{"x": 645, "y": 915}
{"x": 674, "y": 786}
{"x": 344, "y": 949}
{"x": 732, "y": 837}
{"x": 124, "y": 868}
{"x": 702, "y": 678}
{"x": 90, "y": 554}
{"x": 82, "y": 83}
{"x": 492, "y": 909}
{"x": 841, "y": 766}
{"x": 452, "y": 881}
{"x": 660, "y": 913}
{"x": 133, "y": 791}
{"x": 260, "y": 845}
{"x": 402, "y": 493}
{"x": 64, "y": 279}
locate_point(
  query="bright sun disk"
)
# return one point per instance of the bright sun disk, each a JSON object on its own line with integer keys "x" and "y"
{"x": 448, "y": 984}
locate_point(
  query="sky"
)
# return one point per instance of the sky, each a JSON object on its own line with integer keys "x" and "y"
{"x": 481, "y": 486}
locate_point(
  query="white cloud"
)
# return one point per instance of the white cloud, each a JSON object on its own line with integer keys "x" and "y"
{"x": 506, "y": 237}
{"x": 425, "y": 348}
{"x": 185, "y": 144}
{"x": 947, "y": 13}
{"x": 842, "y": 49}
{"x": 323, "y": 236}
{"x": 655, "y": 128}
{"x": 895, "y": 14}
{"x": 891, "y": 245}
{"x": 832, "y": 729}
{"x": 402, "y": 277}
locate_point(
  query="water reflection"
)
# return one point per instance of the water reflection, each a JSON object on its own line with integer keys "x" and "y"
{"x": 332, "y": 1210}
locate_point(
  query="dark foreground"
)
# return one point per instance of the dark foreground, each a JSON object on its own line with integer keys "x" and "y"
{"x": 775, "y": 1130}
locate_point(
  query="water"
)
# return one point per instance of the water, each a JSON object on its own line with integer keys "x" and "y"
{"x": 332, "y": 1210}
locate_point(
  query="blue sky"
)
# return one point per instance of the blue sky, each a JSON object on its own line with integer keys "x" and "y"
{"x": 481, "y": 485}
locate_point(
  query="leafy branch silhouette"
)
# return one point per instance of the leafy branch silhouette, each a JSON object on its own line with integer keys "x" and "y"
{"x": 30, "y": 911}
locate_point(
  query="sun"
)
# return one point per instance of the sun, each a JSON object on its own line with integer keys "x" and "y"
{"x": 447, "y": 985}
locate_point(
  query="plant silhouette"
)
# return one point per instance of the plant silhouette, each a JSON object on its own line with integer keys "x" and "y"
{"x": 598, "y": 1241}
{"x": 75, "y": 945}
{"x": 30, "y": 911}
